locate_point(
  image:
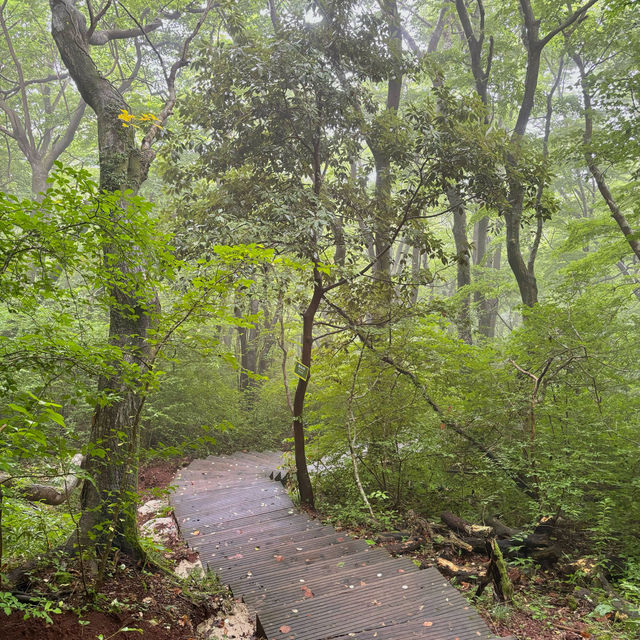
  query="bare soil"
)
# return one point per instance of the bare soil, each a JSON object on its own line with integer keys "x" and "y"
{"x": 150, "y": 603}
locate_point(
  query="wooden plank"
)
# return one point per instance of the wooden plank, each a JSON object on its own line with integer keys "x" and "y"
{"x": 306, "y": 581}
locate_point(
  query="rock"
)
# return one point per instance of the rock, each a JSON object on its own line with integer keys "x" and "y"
{"x": 151, "y": 507}
{"x": 185, "y": 568}
{"x": 160, "y": 529}
{"x": 239, "y": 624}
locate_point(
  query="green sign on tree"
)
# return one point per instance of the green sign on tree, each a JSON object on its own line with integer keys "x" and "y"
{"x": 302, "y": 371}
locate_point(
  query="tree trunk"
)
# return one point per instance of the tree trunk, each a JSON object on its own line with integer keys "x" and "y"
{"x": 109, "y": 501}
{"x": 463, "y": 255}
{"x": 616, "y": 212}
{"x": 38, "y": 178}
{"x": 526, "y": 280}
{"x": 308, "y": 318}
{"x": 513, "y": 214}
{"x": 416, "y": 259}
{"x": 487, "y": 307}
{"x": 381, "y": 155}
{"x": 247, "y": 346}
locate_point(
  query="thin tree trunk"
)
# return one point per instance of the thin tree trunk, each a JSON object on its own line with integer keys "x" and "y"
{"x": 416, "y": 259}
{"x": 463, "y": 261}
{"x": 486, "y": 307}
{"x": 382, "y": 223}
{"x": 616, "y": 212}
{"x": 513, "y": 213}
{"x": 351, "y": 437}
{"x": 308, "y": 318}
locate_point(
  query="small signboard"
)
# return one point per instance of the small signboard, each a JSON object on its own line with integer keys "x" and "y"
{"x": 301, "y": 370}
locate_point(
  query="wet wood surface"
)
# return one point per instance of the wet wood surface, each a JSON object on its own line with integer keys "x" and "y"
{"x": 304, "y": 580}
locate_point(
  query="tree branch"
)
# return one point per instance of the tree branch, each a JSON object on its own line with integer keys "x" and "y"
{"x": 100, "y": 38}
{"x": 519, "y": 480}
{"x": 567, "y": 23}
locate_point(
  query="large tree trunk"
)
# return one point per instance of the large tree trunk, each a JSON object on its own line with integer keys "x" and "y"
{"x": 526, "y": 279}
{"x": 109, "y": 500}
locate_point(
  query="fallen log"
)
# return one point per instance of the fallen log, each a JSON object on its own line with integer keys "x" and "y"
{"x": 392, "y": 536}
{"x": 407, "y": 546}
{"x": 48, "y": 494}
{"x": 453, "y": 541}
{"x": 461, "y": 526}
{"x": 538, "y": 545}
{"x": 464, "y": 572}
{"x": 500, "y": 529}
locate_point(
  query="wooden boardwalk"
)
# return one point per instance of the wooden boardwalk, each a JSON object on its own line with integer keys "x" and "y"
{"x": 305, "y": 580}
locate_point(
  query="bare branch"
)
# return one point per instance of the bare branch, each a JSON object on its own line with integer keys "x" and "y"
{"x": 171, "y": 80}
{"x": 96, "y": 19}
{"x": 100, "y": 38}
{"x": 19, "y": 71}
{"x": 568, "y": 22}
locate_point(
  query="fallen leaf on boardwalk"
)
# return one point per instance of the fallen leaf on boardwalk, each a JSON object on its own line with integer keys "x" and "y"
{"x": 195, "y": 533}
{"x": 427, "y": 624}
{"x": 279, "y": 558}
{"x": 285, "y": 628}
{"x": 306, "y": 591}
{"x": 237, "y": 556}
{"x": 363, "y": 583}
{"x": 376, "y": 602}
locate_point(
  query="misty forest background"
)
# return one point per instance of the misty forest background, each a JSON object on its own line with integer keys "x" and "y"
{"x": 434, "y": 206}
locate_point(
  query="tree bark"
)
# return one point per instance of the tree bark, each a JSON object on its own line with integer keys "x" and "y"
{"x": 487, "y": 307}
{"x": 108, "y": 501}
{"x": 512, "y": 214}
{"x": 381, "y": 154}
{"x": 308, "y": 318}
{"x": 463, "y": 257}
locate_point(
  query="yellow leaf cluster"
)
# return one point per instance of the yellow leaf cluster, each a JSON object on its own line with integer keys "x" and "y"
{"x": 131, "y": 120}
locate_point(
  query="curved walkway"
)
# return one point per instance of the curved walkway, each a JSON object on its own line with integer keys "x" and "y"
{"x": 305, "y": 580}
